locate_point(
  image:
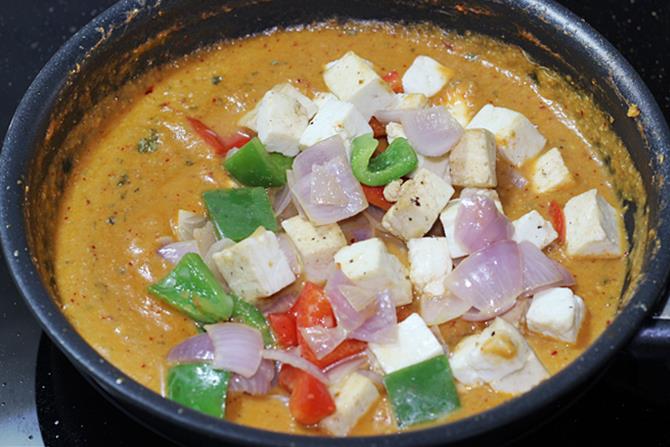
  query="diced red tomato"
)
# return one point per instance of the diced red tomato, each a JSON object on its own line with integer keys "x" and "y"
{"x": 310, "y": 400}
{"x": 313, "y": 307}
{"x": 287, "y": 376}
{"x": 345, "y": 349}
{"x": 378, "y": 129}
{"x": 283, "y": 326}
{"x": 221, "y": 145}
{"x": 558, "y": 220}
{"x": 375, "y": 196}
{"x": 394, "y": 81}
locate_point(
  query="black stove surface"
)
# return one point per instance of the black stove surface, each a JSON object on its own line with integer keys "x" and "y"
{"x": 45, "y": 401}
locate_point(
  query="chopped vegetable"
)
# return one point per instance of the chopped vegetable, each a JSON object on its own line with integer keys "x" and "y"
{"x": 237, "y": 347}
{"x": 422, "y": 392}
{"x": 149, "y": 144}
{"x": 221, "y": 145}
{"x": 396, "y": 161}
{"x": 237, "y": 213}
{"x": 375, "y": 195}
{"x": 558, "y": 220}
{"x": 198, "y": 348}
{"x": 284, "y": 328}
{"x": 199, "y": 386}
{"x": 310, "y": 400}
{"x": 258, "y": 384}
{"x": 192, "y": 288}
{"x": 479, "y": 223}
{"x": 345, "y": 349}
{"x": 247, "y": 313}
{"x": 252, "y": 165}
{"x": 313, "y": 308}
{"x": 394, "y": 80}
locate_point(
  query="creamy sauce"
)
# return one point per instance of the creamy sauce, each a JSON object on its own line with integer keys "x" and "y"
{"x": 120, "y": 203}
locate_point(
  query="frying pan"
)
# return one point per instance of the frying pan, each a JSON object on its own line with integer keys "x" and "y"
{"x": 134, "y": 36}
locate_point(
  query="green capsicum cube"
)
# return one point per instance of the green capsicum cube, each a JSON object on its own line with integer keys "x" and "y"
{"x": 199, "y": 386}
{"x": 422, "y": 392}
{"x": 397, "y": 160}
{"x": 192, "y": 288}
{"x": 246, "y": 313}
{"x": 238, "y": 212}
{"x": 252, "y": 165}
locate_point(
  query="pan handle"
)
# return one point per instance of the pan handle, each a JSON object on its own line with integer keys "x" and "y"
{"x": 653, "y": 339}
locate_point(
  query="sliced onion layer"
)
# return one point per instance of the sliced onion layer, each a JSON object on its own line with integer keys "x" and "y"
{"x": 237, "y": 347}
{"x": 342, "y": 368}
{"x": 198, "y": 348}
{"x": 291, "y": 253}
{"x": 479, "y": 223}
{"x": 175, "y": 251}
{"x": 490, "y": 279}
{"x": 357, "y": 228}
{"x": 258, "y": 384}
{"x": 280, "y": 303}
{"x": 474, "y": 314}
{"x": 541, "y": 272}
{"x": 323, "y": 340}
{"x": 293, "y": 358}
{"x": 380, "y": 327}
{"x": 440, "y": 309}
{"x": 348, "y": 318}
{"x": 281, "y": 200}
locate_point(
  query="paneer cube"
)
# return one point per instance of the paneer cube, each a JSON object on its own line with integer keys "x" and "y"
{"x": 499, "y": 356}
{"x": 516, "y": 137}
{"x": 557, "y": 313}
{"x": 430, "y": 264}
{"x": 473, "y": 160}
{"x": 321, "y": 98}
{"x": 316, "y": 245}
{"x": 335, "y": 118}
{"x": 353, "y": 79}
{"x": 255, "y": 267}
{"x": 426, "y": 76}
{"x": 406, "y": 101}
{"x": 420, "y": 202}
{"x": 353, "y": 398}
{"x": 393, "y": 131}
{"x": 593, "y": 227}
{"x": 249, "y": 119}
{"x": 550, "y": 172}
{"x": 369, "y": 264}
{"x": 281, "y": 121}
{"x": 414, "y": 344}
{"x": 458, "y": 103}
{"x": 532, "y": 227}
{"x": 392, "y": 190}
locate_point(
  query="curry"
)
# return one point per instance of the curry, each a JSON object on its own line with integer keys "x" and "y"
{"x": 145, "y": 161}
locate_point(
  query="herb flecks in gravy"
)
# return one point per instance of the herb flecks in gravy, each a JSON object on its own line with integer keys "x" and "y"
{"x": 143, "y": 162}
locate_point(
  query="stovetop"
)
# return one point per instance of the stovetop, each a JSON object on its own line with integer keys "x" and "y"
{"x": 45, "y": 401}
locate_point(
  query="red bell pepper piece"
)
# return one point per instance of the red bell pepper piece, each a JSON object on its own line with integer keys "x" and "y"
{"x": 221, "y": 145}
{"x": 345, "y": 349}
{"x": 558, "y": 220}
{"x": 283, "y": 326}
{"x": 394, "y": 81}
{"x": 310, "y": 400}
{"x": 287, "y": 376}
{"x": 313, "y": 308}
{"x": 375, "y": 196}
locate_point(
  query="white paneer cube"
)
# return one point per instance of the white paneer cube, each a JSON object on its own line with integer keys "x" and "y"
{"x": 353, "y": 79}
{"x": 414, "y": 344}
{"x": 249, "y": 119}
{"x": 393, "y": 131}
{"x": 353, "y": 398}
{"x": 516, "y": 137}
{"x": 369, "y": 264}
{"x": 550, "y": 172}
{"x": 473, "y": 160}
{"x": 407, "y": 101}
{"x": 448, "y": 219}
{"x": 255, "y": 267}
{"x": 335, "y": 118}
{"x": 316, "y": 245}
{"x": 321, "y": 98}
{"x": 426, "y": 76}
{"x": 392, "y": 190}
{"x": 419, "y": 204}
{"x": 281, "y": 121}
{"x": 430, "y": 264}
{"x": 593, "y": 227}
{"x": 532, "y": 227}
{"x": 499, "y": 356}
{"x": 557, "y": 313}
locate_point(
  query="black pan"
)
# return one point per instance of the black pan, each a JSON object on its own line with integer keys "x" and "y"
{"x": 100, "y": 58}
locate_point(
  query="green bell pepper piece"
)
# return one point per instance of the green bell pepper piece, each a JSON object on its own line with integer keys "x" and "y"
{"x": 396, "y": 161}
{"x": 238, "y": 212}
{"x": 252, "y": 165}
{"x": 199, "y": 386}
{"x": 192, "y": 288}
{"x": 247, "y": 313}
{"x": 422, "y": 392}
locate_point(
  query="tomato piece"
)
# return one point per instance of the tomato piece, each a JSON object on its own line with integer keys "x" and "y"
{"x": 287, "y": 377}
{"x": 345, "y": 349}
{"x": 378, "y": 129}
{"x": 558, "y": 220}
{"x": 310, "y": 400}
{"x": 375, "y": 196}
{"x": 283, "y": 326}
{"x": 313, "y": 307}
{"x": 394, "y": 81}
{"x": 221, "y": 145}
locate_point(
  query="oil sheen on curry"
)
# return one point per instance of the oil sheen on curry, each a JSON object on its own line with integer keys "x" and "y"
{"x": 294, "y": 230}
